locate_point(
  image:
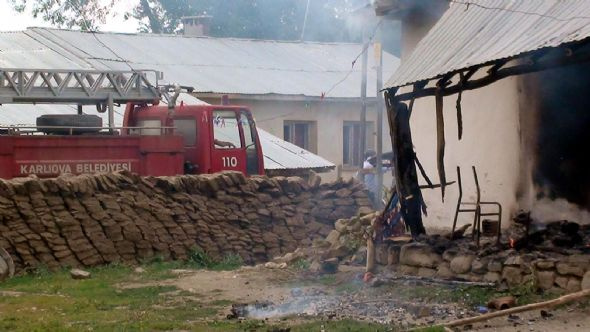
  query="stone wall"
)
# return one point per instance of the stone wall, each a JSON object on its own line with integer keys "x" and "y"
{"x": 91, "y": 220}
{"x": 547, "y": 271}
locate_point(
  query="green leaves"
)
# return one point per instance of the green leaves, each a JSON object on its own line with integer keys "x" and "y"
{"x": 83, "y": 14}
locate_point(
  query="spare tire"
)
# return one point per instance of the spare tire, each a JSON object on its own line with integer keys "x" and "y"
{"x": 72, "y": 123}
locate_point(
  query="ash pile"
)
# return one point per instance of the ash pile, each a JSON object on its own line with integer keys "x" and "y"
{"x": 89, "y": 220}
{"x": 377, "y": 305}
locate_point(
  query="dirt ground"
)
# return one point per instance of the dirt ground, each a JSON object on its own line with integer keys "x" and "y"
{"x": 169, "y": 296}
{"x": 563, "y": 320}
{"x": 257, "y": 284}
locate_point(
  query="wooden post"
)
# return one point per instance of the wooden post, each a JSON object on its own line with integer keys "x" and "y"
{"x": 370, "y": 255}
{"x": 532, "y": 306}
{"x": 404, "y": 165}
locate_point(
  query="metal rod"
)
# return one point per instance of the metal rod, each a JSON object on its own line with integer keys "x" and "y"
{"x": 305, "y": 20}
{"x": 111, "y": 110}
{"x": 477, "y": 226}
{"x": 365, "y": 58}
{"x": 380, "y": 105}
{"x": 458, "y": 202}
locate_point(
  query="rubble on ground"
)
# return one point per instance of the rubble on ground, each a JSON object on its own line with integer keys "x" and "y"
{"x": 88, "y": 220}
{"x": 541, "y": 262}
{"x": 345, "y": 244}
{"x": 79, "y": 274}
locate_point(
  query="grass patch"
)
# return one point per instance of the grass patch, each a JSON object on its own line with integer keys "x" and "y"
{"x": 328, "y": 326}
{"x": 221, "y": 303}
{"x": 201, "y": 260}
{"x": 301, "y": 264}
{"x": 227, "y": 263}
{"x": 327, "y": 280}
{"x": 431, "y": 329}
{"x": 342, "y": 325}
{"x": 55, "y": 302}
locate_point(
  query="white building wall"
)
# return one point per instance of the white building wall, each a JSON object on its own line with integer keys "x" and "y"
{"x": 329, "y": 117}
{"x": 491, "y": 143}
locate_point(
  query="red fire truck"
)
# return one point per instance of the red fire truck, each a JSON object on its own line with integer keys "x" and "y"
{"x": 154, "y": 140}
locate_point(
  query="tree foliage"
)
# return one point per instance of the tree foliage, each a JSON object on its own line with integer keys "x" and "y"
{"x": 327, "y": 20}
{"x": 259, "y": 19}
{"x": 83, "y": 14}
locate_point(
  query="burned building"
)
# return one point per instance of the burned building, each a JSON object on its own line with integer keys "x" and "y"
{"x": 502, "y": 86}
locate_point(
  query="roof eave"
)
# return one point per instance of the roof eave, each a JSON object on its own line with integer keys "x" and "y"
{"x": 281, "y": 97}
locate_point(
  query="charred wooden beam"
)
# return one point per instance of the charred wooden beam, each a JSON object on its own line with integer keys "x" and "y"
{"x": 440, "y": 135}
{"x": 417, "y": 87}
{"x": 550, "y": 59}
{"x": 459, "y": 113}
{"x": 406, "y": 176}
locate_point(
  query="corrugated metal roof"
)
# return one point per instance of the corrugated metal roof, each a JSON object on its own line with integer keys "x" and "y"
{"x": 211, "y": 65}
{"x": 278, "y": 154}
{"x": 19, "y": 50}
{"x": 489, "y": 30}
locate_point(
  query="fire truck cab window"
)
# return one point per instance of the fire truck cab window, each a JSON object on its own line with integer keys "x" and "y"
{"x": 226, "y": 132}
{"x": 187, "y": 128}
{"x": 149, "y": 127}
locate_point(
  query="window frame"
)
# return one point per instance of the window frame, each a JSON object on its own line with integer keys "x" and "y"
{"x": 195, "y": 134}
{"x": 310, "y": 140}
{"x": 370, "y": 140}
{"x": 238, "y": 127}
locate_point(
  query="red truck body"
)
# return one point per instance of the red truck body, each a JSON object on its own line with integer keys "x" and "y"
{"x": 154, "y": 140}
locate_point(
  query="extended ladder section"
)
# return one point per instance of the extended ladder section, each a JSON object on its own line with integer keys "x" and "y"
{"x": 83, "y": 87}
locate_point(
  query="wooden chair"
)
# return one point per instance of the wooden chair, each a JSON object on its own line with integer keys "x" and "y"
{"x": 476, "y": 209}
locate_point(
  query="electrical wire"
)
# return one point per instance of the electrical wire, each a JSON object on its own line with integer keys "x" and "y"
{"x": 365, "y": 48}
{"x": 475, "y": 4}
{"x": 277, "y": 117}
{"x": 89, "y": 29}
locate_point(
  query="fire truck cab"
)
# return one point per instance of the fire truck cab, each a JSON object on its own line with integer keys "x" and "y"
{"x": 215, "y": 138}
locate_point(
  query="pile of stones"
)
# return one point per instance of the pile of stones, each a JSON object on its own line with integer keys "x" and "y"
{"x": 344, "y": 244}
{"x": 88, "y": 220}
{"x": 561, "y": 270}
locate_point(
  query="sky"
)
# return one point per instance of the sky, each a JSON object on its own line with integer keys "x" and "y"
{"x": 11, "y": 20}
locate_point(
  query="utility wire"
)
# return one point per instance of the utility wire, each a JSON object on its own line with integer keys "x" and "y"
{"x": 75, "y": 4}
{"x": 276, "y": 117}
{"x": 556, "y": 18}
{"x": 365, "y": 48}
{"x": 305, "y": 20}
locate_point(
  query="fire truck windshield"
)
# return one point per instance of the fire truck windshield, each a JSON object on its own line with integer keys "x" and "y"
{"x": 226, "y": 130}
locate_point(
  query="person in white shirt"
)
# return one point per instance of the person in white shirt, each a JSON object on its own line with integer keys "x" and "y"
{"x": 370, "y": 177}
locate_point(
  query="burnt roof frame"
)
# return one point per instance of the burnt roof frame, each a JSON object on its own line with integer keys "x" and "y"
{"x": 530, "y": 62}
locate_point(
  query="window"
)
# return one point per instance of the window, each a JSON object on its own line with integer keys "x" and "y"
{"x": 301, "y": 133}
{"x": 249, "y": 138}
{"x": 152, "y": 127}
{"x": 225, "y": 130}
{"x": 187, "y": 128}
{"x": 352, "y": 142}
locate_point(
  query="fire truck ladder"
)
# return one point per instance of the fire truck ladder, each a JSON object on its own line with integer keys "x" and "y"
{"x": 81, "y": 87}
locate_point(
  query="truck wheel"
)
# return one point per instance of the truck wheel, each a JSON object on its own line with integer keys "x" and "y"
{"x": 74, "y": 121}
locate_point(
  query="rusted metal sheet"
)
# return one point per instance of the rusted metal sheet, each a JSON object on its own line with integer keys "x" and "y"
{"x": 488, "y": 30}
